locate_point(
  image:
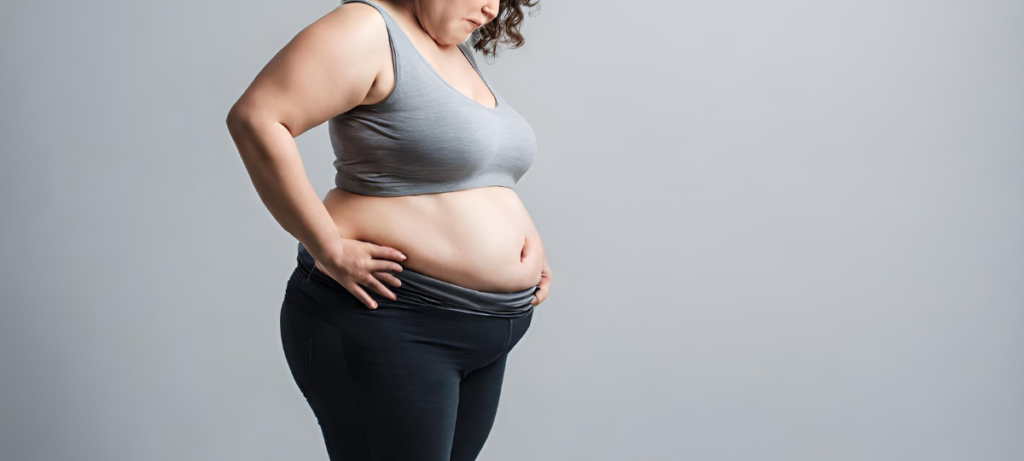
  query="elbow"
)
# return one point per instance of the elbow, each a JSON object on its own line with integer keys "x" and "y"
{"x": 243, "y": 127}
{"x": 237, "y": 117}
{"x": 243, "y": 119}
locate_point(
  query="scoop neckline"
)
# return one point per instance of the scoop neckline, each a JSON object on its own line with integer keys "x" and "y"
{"x": 497, "y": 102}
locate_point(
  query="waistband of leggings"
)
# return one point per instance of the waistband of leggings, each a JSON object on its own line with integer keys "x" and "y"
{"x": 423, "y": 289}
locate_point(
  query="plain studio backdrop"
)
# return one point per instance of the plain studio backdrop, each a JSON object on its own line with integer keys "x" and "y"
{"x": 787, "y": 230}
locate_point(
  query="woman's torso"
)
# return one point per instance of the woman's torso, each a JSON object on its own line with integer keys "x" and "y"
{"x": 471, "y": 237}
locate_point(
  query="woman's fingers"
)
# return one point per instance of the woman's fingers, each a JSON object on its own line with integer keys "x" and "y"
{"x": 388, "y": 277}
{"x": 382, "y": 265}
{"x": 364, "y": 270}
{"x": 380, "y": 251}
{"x": 363, "y": 296}
{"x": 380, "y": 288}
{"x": 544, "y": 287}
{"x": 540, "y": 295}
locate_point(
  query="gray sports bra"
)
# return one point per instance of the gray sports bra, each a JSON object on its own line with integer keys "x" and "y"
{"x": 426, "y": 136}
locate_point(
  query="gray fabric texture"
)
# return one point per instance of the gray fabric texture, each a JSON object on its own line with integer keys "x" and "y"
{"x": 426, "y": 136}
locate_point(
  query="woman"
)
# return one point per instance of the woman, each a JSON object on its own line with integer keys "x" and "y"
{"x": 420, "y": 271}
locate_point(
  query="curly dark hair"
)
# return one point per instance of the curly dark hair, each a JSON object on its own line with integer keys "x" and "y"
{"x": 504, "y": 28}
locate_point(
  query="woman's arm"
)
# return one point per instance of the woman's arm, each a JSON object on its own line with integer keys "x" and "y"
{"x": 326, "y": 69}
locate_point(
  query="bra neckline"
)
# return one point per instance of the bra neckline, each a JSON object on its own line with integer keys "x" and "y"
{"x": 497, "y": 102}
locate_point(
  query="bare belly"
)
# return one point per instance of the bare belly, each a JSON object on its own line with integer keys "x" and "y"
{"x": 473, "y": 238}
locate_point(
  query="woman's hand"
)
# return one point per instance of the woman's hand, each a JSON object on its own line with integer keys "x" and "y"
{"x": 544, "y": 287}
{"x": 354, "y": 264}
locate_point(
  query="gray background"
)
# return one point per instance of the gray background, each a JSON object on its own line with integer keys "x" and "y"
{"x": 787, "y": 230}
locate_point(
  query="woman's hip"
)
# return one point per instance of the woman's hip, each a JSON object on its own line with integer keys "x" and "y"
{"x": 399, "y": 337}
{"x": 419, "y": 291}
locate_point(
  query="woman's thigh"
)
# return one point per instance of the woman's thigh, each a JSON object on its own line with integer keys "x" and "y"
{"x": 384, "y": 384}
{"x": 479, "y": 395}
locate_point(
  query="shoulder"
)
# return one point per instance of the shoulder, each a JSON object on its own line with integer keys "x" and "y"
{"x": 328, "y": 68}
{"x": 351, "y": 38}
{"x": 351, "y": 24}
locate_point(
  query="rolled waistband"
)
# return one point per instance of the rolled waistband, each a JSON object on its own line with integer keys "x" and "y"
{"x": 418, "y": 288}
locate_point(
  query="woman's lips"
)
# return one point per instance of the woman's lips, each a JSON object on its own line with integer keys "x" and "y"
{"x": 473, "y": 23}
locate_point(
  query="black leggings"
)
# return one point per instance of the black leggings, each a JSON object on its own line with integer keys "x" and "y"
{"x": 405, "y": 381}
